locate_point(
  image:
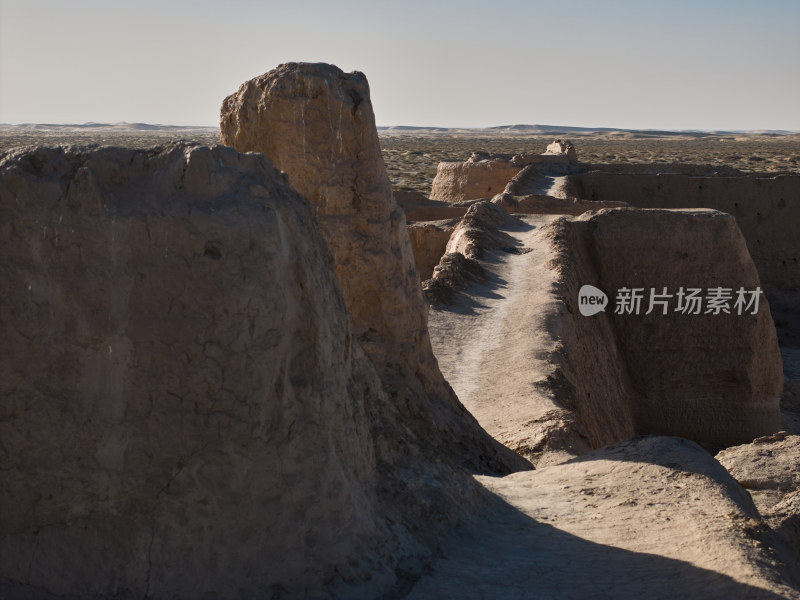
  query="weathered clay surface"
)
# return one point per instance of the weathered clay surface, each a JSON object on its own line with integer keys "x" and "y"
{"x": 552, "y": 383}
{"x": 540, "y": 204}
{"x": 709, "y": 377}
{"x": 417, "y": 207}
{"x": 543, "y": 160}
{"x": 652, "y": 517}
{"x": 767, "y": 210}
{"x": 185, "y": 411}
{"x": 768, "y": 464}
{"x": 768, "y": 469}
{"x": 481, "y": 230}
{"x": 454, "y": 273}
{"x": 486, "y": 175}
{"x": 565, "y": 147}
{"x": 316, "y": 123}
{"x": 456, "y": 181}
{"x": 429, "y": 241}
{"x": 502, "y": 339}
{"x": 790, "y": 403}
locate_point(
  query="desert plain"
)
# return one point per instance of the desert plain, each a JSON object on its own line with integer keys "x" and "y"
{"x": 413, "y": 153}
{"x": 302, "y": 356}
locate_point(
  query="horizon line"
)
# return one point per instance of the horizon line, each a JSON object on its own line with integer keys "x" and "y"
{"x": 520, "y": 127}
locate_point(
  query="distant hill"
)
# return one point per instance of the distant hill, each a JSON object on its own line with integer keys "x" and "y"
{"x": 101, "y": 127}
{"x": 516, "y": 129}
{"x": 571, "y": 130}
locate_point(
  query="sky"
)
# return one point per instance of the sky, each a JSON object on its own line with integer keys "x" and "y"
{"x": 670, "y": 64}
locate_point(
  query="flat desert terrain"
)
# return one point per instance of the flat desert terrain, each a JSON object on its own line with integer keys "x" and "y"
{"x": 412, "y": 154}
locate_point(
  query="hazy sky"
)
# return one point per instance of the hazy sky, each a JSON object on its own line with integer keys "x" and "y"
{"x": 714, "y": 64}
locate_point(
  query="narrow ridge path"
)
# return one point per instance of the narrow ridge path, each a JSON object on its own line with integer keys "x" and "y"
{"x": 494, "y": 346}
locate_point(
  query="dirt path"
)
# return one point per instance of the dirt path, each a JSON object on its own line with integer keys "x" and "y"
{"x": 555, "y": 186}
{"x": 627, "y": 522}
{"x": 651, "y": 517}
{"x": 494, "y": 347}
{"x": 540, "y": 181}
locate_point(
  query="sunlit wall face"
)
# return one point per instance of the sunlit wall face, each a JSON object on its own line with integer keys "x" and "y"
{"x": 673, "y": 65}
